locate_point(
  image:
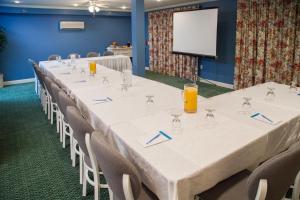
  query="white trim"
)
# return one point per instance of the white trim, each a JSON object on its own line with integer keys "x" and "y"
{"x": 225, "y": 85}
{"x": 60, "y": 7}
{"x": 29, "y": 80}
{"x": 179, "y": 5}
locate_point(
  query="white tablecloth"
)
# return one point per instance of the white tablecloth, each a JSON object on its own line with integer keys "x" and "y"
{"x": 118, "y": 62}
{"x": 198, "y": 158}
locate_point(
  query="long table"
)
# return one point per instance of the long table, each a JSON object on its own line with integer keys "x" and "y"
{"x": 199, "y": 157}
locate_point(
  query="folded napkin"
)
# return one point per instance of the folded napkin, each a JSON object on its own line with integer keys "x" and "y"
{"x": 265, "y": 119}
{"x": 154, "y": 139}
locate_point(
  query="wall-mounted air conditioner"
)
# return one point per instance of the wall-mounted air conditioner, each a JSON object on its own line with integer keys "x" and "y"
{"x": 65, "y": 25}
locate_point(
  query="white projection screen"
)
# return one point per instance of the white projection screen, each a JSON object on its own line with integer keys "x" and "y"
{"x": 195, "y": 32}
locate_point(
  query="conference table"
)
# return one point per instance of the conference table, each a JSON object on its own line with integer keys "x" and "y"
{"x": 205, "y": 151}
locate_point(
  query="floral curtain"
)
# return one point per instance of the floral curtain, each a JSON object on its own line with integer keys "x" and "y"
{"x": 161, "y": 44}
{"x": 267, "y": 42}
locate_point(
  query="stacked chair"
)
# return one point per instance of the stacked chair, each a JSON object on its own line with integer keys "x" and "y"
{"x": 92, "y": 54}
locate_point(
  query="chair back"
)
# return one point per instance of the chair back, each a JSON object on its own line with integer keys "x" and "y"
{"x": 54, "y": 57}
{"x": 280, "y": 173}
{"x": 55, "y": 89}
{"x": 92, "y": 54}
{"x": 63, "y": 102}
{"x": 108, "y": 53}
{"x": 114, "y": 166}
{"x": 79, "y": 126}
{"x": 76, "y": 55}
{"x": 48, "y": 83}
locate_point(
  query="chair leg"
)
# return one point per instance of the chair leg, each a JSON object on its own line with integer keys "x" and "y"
{"x": 49, "y": 108}
{"x": 96, "y": 191}
{"x": 84, "y": 181}
{"x": 52, "y": 113}
{"x": 111, "y": 195}
{"x": 81, "y": 167}
{"x": 61, "y": 128}
{"x": 74, "y": 154}
{"x": 64, "y": 136}
{"x": 71, "y": 146}
{"x": 57, "y": 121}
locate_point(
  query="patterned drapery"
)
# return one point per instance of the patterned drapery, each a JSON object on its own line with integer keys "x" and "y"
{"x": 161, "y": 44}
{"x": 267, "y": 42}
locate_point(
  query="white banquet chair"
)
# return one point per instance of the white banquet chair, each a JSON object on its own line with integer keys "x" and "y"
{"x": 121, "y": 175}
{"x": 80, "y": 128}
{"x": 269, "y": 181}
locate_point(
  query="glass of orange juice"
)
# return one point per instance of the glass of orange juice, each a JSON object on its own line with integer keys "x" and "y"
{"x": 190, "y": 96}
{"x": 93, "y": 68}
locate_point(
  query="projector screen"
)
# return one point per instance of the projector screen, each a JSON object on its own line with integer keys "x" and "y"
{"x": 195, "y": 32}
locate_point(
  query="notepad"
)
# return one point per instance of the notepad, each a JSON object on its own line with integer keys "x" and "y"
{"x": 265, "y": 119}
{"x": 154, "y": 139}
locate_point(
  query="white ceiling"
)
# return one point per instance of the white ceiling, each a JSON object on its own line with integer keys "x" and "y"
{"x": 107, "y": 4}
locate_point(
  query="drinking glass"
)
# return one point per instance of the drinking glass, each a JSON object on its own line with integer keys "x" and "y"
{"x": 176, "y": 121}
{"x": 105, "y": 80}
{"x": 190, "y": 95}
{"x": 210, "y": 119}
{"x": 293, "y": 87}
{"x": 124, "y": 88}
{"x": 149, "y": 103}
{"x": 92, "y": 67}
{"x": 58, "y": 59}
{"x": 127, "y": 77}
{"x": 270, "y": 95}
{"x": 82, "y": 71}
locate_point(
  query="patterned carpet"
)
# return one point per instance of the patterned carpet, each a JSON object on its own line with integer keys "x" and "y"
{"x": 33, "y": 164}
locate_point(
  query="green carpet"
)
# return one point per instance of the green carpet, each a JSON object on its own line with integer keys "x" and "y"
{"x": 33, "y": 164}
{"x": 205, "y": 90}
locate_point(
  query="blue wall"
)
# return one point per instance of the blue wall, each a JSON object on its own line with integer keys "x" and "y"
{"x": 35, "y": 35}
{"x": 222, "y": 68}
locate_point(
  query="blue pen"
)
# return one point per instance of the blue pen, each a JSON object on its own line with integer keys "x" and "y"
{"x": 166, "y": 135}
{"x": 156, "y": 136}
{"x": 100, "y": 100}
{"x": 266, "y": 118}
{"x": 255, "y": 115}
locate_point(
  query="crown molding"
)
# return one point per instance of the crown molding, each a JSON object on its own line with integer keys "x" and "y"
{"x": 60, "y": 7}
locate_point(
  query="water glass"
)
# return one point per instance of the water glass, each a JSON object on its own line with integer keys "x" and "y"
{"x": 105, "y": 80}
{"x": 127, "y": 77}
{"x": 270, "y": 95}
{"x": 293, "y": 87}
{"x": 176, "y": 122}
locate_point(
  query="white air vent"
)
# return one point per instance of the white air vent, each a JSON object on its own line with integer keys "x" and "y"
{"x": 63, "y": 25}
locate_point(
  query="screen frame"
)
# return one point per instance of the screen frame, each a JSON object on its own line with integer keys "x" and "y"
{"x": 193, "y": 54}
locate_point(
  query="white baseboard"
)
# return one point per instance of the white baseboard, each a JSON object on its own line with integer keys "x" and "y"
{"x": 29, "y": 80}
{"x": 225, "y": 85}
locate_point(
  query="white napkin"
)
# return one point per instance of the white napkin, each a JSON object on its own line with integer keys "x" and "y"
{"x": 265, "y": 119}
{"x": 153, "y": 139}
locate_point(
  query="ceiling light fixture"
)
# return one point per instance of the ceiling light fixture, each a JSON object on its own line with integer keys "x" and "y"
{"x": 75, "y": 5}
{"x": 17, "y": 2}
{"x": 93, "y": 8}
{"x": 124, "y": 7}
